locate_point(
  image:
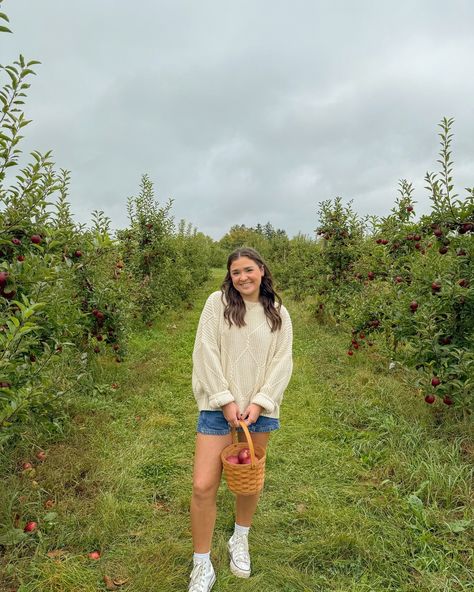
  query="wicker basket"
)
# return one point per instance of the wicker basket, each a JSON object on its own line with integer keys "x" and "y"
{"x": 244, "y": 479}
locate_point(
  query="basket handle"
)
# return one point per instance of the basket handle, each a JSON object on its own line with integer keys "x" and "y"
{"x": 243, "y": 425}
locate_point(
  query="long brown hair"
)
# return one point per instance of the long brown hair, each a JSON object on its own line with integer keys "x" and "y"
{"x": 234, "y": 311}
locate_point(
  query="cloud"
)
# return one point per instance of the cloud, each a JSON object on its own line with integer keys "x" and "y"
{"x": 246, "y": 112}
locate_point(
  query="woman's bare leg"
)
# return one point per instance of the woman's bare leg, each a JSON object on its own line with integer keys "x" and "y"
{"x": 245, "y": 505}
{"x": 206, "y": 479}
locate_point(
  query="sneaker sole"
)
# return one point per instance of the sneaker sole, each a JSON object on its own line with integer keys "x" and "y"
{"x": 240, "y": 573}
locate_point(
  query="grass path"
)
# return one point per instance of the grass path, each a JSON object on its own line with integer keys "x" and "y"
{"x": 364, "y": 491}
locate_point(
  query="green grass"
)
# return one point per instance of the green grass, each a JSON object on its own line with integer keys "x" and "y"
{"x": 366, "y": 490}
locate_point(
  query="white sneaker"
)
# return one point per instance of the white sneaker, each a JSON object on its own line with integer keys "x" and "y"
{"x": 238, "y": 546}
{"x": 202, "y": 577}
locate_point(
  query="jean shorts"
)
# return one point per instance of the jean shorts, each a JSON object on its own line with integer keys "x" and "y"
{"x": 213, "y": 423}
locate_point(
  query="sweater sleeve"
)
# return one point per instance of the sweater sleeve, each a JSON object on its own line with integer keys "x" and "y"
{"x": 207, "y": 367}
{"x": 278, "y": 373}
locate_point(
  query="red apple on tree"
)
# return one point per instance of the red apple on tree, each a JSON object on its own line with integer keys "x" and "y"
{"x": 36, "y": 239}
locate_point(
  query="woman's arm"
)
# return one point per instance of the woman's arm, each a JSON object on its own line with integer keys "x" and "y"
{"x": 279, "y": 370}
{"x": 206, "y": 355}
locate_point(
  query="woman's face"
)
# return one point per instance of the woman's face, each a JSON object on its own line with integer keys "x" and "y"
{"x": 246, "y": 277}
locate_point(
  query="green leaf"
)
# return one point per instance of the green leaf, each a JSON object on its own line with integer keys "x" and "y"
{"x": 458, "y": 525}
{"x": 12, "y": 537}
{"x": 4, "y": 17}
{"x": 4, "y": 29}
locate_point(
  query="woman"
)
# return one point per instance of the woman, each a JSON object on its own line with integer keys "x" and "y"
{"x": 242, "y": 363}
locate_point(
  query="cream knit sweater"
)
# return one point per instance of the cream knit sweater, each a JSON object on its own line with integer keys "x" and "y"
{"x": 247, "y": 364}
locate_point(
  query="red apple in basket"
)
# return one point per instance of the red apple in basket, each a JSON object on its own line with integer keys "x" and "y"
{"x": 246, "y": 461}
{"x": 244, "y": 454}
{"x": 233, "y": 460}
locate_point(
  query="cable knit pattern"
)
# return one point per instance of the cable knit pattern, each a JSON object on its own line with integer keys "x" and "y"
{"x": 243, "y": 364}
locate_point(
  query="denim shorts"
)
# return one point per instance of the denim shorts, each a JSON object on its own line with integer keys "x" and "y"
{"x": 214, "y": 423}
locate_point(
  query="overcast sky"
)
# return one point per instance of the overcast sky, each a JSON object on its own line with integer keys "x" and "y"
{"x": 247, "y": 111}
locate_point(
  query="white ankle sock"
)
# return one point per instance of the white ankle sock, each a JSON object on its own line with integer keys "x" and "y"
{"x": 241, "y": 529}
{"x": 201, "y": 557}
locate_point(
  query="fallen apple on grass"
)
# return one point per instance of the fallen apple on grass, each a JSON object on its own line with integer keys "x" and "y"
{"x": 30, "y": 527}
{"x": 94, "y": 555}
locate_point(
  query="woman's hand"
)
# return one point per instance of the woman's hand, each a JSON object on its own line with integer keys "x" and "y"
{"x": 251, "y": 414}
{"x": 231, "y": 413}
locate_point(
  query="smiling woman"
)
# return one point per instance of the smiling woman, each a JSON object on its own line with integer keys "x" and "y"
{"x": 242, "y": 363}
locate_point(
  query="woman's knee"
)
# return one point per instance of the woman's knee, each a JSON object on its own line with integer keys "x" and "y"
{"x": 205, "y": 490}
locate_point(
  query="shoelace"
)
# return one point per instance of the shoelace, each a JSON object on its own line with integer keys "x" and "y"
{"x": 240, "y": 550}
{"x": 198, "y": 578}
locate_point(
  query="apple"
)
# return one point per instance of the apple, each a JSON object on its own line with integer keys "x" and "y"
{"x": 413, "y": 305}
{"x": 409, "y": 208}
{"x": 416, "y": 237}
{"x": 94, "y": 555}
{"x": 398, "y": 279}
{"x": 438, "y": 232}
{"x": 99, "y": 337}
{"x": 246, "y": 461}
{"x": 5, "y": 384}
{"x": 464, "y": 283}
{"x": 244, "y": 454}
{"x": 41, "y": 455}
{"x": 77, "y": 253}
{"x": 3, "y": 277}
{"x": 436, "y": 287}
{"x": 99, "y": 315}
{"x": 350, "y": 353}
{"x": 16, "y": 241}
{"x": 233, "y": 460}
{"x": 30, "y": 526}
{"x": 371, "y": 275}
{"x": 26, "y": 466}
{"x": 36, "y": 239}
{"x": 20, "y": 258}
{"x": 447, "y": 400}
{"x": 430, "y": 399}
{"x": 443, "y": 250}
{"x": 362, "y": 335}
{"x": 96, "y": 349}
